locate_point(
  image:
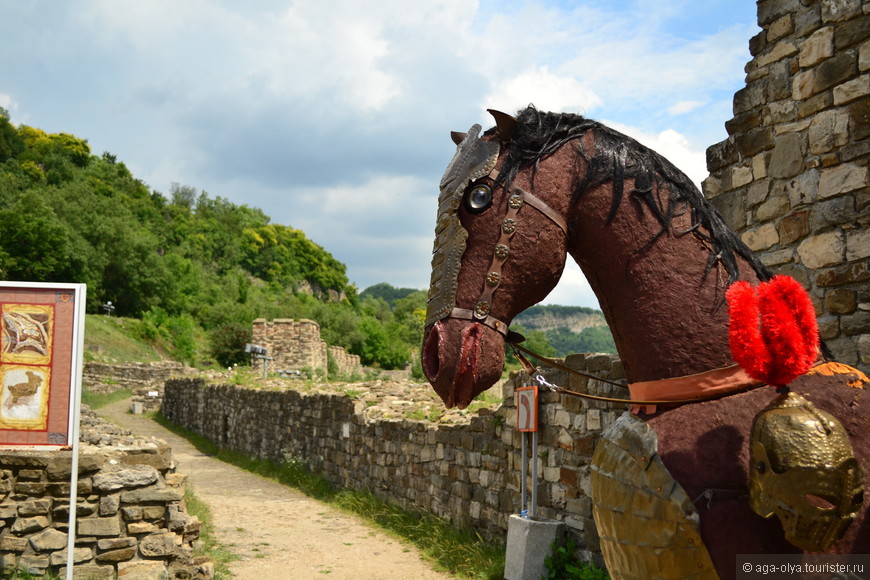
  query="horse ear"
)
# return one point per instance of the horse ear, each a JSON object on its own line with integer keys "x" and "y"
{"x": 507, "y": 125}
{"x": 457, "y": 136}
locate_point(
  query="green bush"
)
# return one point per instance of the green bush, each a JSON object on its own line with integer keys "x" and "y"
{"x": 562, "y": 565}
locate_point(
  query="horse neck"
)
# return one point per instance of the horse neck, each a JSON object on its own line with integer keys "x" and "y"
{"x": 666, "y": 310}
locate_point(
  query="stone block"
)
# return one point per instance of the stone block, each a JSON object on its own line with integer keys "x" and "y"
{"x": 804, "y": 189}
{"x": 831, "y": 213}
{"x": 864, "y": 348}
{"x": 80, "y": 555}
{"x": 48, "y": 540}
{"x": 10, "y": 543}
{"x": 150, "y": 495}
{"x": 761, "y": 238}
{"x": 857, "y": 323}
{"x": 779, "y": 28}
{"x": 36, "y": 507}
{"x": 841, "y": 301}
{"x": 859, "y": 119}
{"x": 110, "y": 526}
{"x": 839, "y": 276}
{"x": 160, "y": 457}
{"x": 32, "y": 488}
{"x": 794, "y": 226}
{"x": 107, "y": 544}
{"x": 749, "y": 144}
{"x": 119, "y": 555}
{"x": 741, "y": 176}
{"x": 817, "y": 47}
{"x": 844, "y": 349}
{"x": 842, "y": 179}
{"x": 834, "y": 71}
{"x": 58, "y": 468}
{"x": 858, "y": 245}
{"x": 109, "y": 504}
{"x": 822, "y": 250}
{"x": 135, "y": 528}
{"x": 828, "y": 131}
{"x": 158, "y": 545}
{"x": 852, "y": 90}
{"x": 780, "y": 51}
{"x": 153, "y": 512}
{"x": 90, "y": 572}
{"x": 35, "y": 564}
{"x": 774, "y": 207}
{"x": 528, "y": 544}
{"x": 787, "y": 159}
{"x": 778, "y": 257}
{"x": 829, "y": 327}
{"x": 30, "y": 525}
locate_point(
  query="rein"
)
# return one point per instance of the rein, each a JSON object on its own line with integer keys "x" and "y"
{"x": 636, "y": 404}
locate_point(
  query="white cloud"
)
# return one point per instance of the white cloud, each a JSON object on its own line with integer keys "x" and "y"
{"x": 684, "y": 107}
{"x": 572, "y": 288}
{"x": 546, "y": 90}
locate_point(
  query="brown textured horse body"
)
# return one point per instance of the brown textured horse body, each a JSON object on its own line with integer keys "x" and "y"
{"x": 659, "y": 259}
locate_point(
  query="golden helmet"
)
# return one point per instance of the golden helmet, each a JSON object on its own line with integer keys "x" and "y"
{"x": 802, "y": 469}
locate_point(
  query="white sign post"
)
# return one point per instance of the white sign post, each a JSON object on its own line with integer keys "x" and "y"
{"x": 42, "y": 327}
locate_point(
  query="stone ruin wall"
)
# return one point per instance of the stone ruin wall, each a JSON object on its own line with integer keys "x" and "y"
{"x": 144, "y": 380}
{"x": 343, "y": 363}
{"x": 792, "y": 176}
{"x": 296, "y": 345}
{"x": 132, "y": 522}
{"x": 468, "y": 474}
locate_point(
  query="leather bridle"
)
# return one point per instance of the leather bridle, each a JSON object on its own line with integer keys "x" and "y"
{"x": 518, "y": 197}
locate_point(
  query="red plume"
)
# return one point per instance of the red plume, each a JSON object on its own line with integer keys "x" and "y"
{"x": 772, "y": 332}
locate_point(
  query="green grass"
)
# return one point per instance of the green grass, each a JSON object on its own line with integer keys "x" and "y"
{"x": 113, "y": 339}
{"x": 99, "y": 400}
{"x": 211, "y": 548}
{"x": 461, "y": 552}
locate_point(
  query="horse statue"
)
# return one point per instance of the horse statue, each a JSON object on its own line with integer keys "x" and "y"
{"x": 669, "y": 490}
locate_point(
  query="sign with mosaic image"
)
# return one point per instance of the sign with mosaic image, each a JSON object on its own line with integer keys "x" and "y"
{"x": 41, "y": 329}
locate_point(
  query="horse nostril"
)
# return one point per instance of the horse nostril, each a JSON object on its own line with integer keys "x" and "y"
{"x": 431, "y": 354}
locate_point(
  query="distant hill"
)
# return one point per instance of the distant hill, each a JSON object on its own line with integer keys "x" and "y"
{"x": 550, "y": 317}
{"x": 389, "y": 293}
{"x": 569, "y": 329}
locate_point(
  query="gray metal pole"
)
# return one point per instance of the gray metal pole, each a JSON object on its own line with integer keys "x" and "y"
{"x": 534, "y": 474}
{"x": 525, "y": 465}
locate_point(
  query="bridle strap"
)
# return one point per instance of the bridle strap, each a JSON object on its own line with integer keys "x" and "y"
{"x": 536, "y": 203}
{"x": 518, "y": 198}
{"x": 488, "y": 320}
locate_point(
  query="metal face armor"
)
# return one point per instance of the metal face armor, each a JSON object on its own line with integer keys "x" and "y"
{"x": 802, "y": 469}
{"x": 473, "y": 159}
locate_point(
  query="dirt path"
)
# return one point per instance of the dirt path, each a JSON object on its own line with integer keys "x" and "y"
{"x": 280, "y": 533}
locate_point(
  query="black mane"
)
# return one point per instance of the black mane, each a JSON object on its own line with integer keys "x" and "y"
{"x": 619, "y": 157}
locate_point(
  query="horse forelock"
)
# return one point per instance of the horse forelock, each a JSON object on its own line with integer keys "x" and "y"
{"x": 617, "y": 157}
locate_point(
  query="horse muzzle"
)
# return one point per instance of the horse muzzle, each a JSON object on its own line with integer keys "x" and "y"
{"x": 461, "y": 360}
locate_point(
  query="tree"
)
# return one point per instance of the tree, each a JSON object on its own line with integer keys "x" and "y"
{"x": 11, "y": 144}
{"x": 35, "y": 245}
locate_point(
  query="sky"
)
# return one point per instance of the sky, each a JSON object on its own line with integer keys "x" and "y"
{"x": 334, "y": 116}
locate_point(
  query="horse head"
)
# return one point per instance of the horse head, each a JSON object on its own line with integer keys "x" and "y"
{"x": 488, "y": 225}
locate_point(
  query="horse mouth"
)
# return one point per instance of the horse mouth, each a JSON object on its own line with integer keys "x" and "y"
{"x": 456, "y": 389}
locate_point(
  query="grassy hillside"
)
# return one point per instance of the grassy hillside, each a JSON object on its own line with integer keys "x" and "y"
{"x": 113, "y": 339}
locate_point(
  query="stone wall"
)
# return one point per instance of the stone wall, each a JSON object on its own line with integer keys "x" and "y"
{"x": 467, "y": 473}
{"x": 144, "y": 380}
{"x": 792, "y": 177}
{"x": 296, "y": 345}
{"x": 131, "y": 521}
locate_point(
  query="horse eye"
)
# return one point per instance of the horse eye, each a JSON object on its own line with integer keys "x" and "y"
{"x": 478, "y": 199}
